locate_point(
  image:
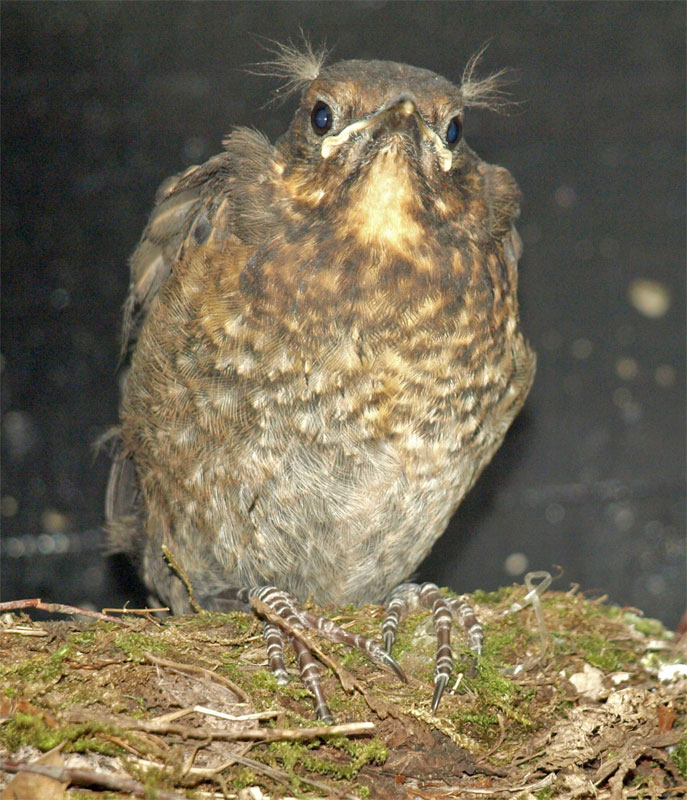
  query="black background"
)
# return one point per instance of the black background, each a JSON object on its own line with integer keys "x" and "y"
{"x": 101, "y": 101}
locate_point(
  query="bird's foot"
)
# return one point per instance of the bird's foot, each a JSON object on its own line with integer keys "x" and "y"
{"x": 284, "y": 606}
{"x": 409, "y": 596}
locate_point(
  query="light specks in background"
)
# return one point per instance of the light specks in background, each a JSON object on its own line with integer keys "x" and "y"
{"x": 651, "y": 298}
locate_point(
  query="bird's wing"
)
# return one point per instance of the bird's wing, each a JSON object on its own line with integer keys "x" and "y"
{"x": 185, "y": 204}
{"x": 220, "y": 200}
{"x": 224, "y": 198}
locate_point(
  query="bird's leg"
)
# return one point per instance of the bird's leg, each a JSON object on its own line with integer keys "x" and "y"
{"x": 409, "y": 596}
{"x": 274, "y": 640}
{"x": 285, "y": 606}
{"x": 464, "y": 613}
{"x": 310, "y": 675}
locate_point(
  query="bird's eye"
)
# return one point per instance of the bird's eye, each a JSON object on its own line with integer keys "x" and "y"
{"x": 454, "y": 131}
{"x": 321, "y": 118}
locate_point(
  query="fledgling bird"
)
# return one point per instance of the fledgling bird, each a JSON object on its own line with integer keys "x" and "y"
{"x": 325, "y": 352}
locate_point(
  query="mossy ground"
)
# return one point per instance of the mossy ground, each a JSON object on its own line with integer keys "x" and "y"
{"x": 586, "y": 717}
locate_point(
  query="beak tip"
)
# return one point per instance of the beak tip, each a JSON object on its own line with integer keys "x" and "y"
{"x": 407, "y": 108}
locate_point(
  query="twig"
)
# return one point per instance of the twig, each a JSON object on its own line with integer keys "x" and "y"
{"x": 502, "y": 736}
{"x": 547, "y": 780}
{"x": 347, "y": 680}
{"x": 279, "y": 775}
{"x": 88, "y": 778}
{"x": 23, "y": 630}
{"x": 247, "y": 734}
{"x": 184, "y": 712}
{"x": 188, "y": 764}
{"x": 229, "y": 684}
{"x": 382, "y": 708}
{"x": 145, "y": 612}
{"x": 59, "y": 608}
{"x": 174, "y": 564}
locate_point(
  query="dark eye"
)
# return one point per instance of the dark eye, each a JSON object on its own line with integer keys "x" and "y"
{"x": 454, "y": 130}
{"x": 321, "y": 118}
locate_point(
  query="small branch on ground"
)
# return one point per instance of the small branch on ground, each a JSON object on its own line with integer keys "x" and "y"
{"x": 88, "y": 779}
{"x": 58, "y": 608}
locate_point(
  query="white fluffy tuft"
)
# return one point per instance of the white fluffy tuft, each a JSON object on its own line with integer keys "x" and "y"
{"x": 487, "y": 92}
{"x": 296, "y": 64}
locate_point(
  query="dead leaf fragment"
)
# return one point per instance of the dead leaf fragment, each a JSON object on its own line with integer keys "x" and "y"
{"x": 30, "y": 786}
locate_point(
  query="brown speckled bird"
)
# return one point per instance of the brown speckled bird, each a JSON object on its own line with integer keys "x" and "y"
{"x": 325, "y": 352}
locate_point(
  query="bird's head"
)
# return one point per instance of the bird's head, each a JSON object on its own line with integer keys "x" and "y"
{"x": 381, "y": 139}
{"x": 356, "y": 112}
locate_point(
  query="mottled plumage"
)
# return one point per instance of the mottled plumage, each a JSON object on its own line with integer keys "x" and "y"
{"x": 324, "y": 345}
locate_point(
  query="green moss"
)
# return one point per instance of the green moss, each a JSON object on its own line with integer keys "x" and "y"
{"x": 602, "y": 653}
{"x": 293, "y": 756}
{"x": 75, "y": 794}
{"x": 83, "y": 640}
{"x": 411, "y": 641}
{"x": 362, "y": 751}
{"x": 231, "y": 669}
{"x": 134, "y": 645}
{"x": 492, "y": 598}
{"x": 494, "y": 683}
{"x": 261, "y": 680}
{"x": 499, "y": 644}
{"x": 482, "y": 720}
{"x": 680, "y": 756}
{"x": 646, "y": 625}
{"x": 47, "y": 668}
{"x": 27, "y": 729}
{"x": 243, "y": 777}
{"x": 239, "y": 621}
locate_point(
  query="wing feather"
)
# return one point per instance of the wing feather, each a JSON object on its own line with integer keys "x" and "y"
{"x": 223, "y": 199}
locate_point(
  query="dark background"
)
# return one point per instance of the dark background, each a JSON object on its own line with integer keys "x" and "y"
{"x": 102, "y": 101}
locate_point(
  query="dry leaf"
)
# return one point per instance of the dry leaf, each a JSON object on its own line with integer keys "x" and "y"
{"x": 30, "y": 786}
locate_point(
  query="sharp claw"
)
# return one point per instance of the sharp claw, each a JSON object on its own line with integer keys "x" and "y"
{"x": 281, "y": 677}
{"x": 391, "y": 662}
{"x": 325, "y": 715}
{"x": 388, "y": 639}
{"x": 439, "y": 685}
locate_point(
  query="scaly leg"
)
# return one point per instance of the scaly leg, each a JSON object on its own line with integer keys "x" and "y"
{"x": 285, "y": 606}
{"x": 410, "y": 596}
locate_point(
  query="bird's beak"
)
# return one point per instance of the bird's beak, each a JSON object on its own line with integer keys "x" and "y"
{"x": 402, "y": 116}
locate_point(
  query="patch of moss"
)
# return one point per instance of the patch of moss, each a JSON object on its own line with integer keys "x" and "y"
{"x": 646, "y": 625}
{"x": 83, "y": 640}
{"x": 134, "y": 644}
{"x": 492, "y": 598}
{"x": 230, "y": 668}
{"x": 680, "y": 756}
{"x": 411, "y": 641}
{"x": 499, "y": 644}
{"x": 239, "y": 621}
{"x": 483, "y": 720}
{"x": 46, "y": 667}
{"x": 293, "y": 755}
{"x": 27, "y": 729}
{"x": 241, "y": 778}
{"x": 602, "y": 653}
{"x": 362, "y": 751}
{"x": 261, "y": 680}
{"x": 75, "y": 794}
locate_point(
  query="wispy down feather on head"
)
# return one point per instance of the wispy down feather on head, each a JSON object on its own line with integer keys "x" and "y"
{"x": 487, "y": 92}
{"x": 296, "y": 65}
